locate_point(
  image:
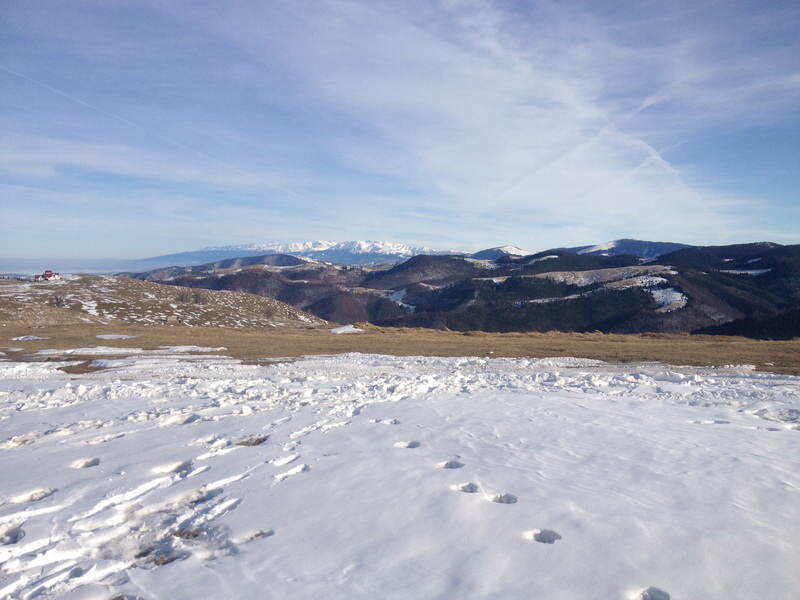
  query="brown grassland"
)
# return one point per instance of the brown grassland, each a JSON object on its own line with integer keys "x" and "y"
{"x": 65, "y": 330}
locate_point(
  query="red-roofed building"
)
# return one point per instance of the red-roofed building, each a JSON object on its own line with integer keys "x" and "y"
{"x": 48, "y": 275}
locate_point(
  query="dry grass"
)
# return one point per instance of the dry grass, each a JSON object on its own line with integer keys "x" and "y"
{"x": 94, "y": 298}
{"x": 29, "y": 313}
{"x": 258, "y": 345}
{"x": 87, "y": 366}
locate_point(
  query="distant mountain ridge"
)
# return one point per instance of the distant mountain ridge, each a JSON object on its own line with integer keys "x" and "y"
{"x": 364, "y": 252}
{"x": 500, "y": 252}
{"x": 639, "y": 248}
{"x": 353, "y": 252}
{"x": 689, "y": 289}
{"x": 353, "y": 246}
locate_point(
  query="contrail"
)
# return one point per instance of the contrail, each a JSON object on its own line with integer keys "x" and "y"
{"x": 519, "y": 180}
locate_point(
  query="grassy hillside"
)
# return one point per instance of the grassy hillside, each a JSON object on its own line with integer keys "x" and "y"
{"x": 93, "y": 299}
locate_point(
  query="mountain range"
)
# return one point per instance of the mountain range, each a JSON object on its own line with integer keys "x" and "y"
{"x": 623, "y": 286}
{"x": 360, "y": 252}
{"x": 354, "y": 252}
{"x": 640, "y": 248}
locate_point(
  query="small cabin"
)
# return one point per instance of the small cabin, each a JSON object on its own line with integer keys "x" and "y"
{"x": 48, "y": 275}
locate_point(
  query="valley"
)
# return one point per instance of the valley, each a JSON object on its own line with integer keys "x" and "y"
{"x": 583, "y": 290}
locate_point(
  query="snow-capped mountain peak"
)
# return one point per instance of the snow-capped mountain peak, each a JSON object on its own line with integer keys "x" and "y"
{"x": 352, "y": 246}
{"x": 352, "y": 252}
{"x": 641, "y": 248}
{"x": 373, "y": 247}
{"x": 278, "y": 247}
{"x": 499, "y": 252}
{"x": 514, "y": 250}
{"x": 600, "y": 247}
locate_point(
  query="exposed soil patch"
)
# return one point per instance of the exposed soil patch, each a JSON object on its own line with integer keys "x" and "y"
{"x": 87, "y": 366}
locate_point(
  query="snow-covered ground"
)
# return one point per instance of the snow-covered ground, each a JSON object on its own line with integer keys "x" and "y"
{"x": 361, "y": 476}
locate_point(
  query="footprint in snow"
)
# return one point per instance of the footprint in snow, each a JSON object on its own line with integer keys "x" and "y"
{"x": 11, "y": 533}
{"x": 180, "y": 467}
{"x": 253, "y": 440}
{"x": 284, "y": 460}
{"x": 503, "y": 498}
{"x": 298, "y": 469}
{"x": 33, "y": 495}
{"x": 254, "y": 535}
{"x": 543, "y": 536}
{"x": 411, "y": 444}
{"x": 104, "y": 438}
{"x": 85, "y": 463}
{"x": 450, "y": 464}
{"x": 467, "y": 488}
{"x": 653, "y": 593}
{"x": 178, "y": 419}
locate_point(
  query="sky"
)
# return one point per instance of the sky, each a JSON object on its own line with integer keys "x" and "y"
{"x": 138, "y": 128}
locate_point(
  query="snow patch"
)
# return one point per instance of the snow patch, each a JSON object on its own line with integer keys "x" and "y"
{"x": 600, "y": 248}
{"x": 346, "y": 329}
{"x": 668, "y": 299}
{"x": 398, "y": 296}
{"x": 752, "y": 272}
{"x": 542, "y": 258}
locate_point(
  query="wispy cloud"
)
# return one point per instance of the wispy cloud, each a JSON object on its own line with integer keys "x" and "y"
{"x": 469, "y": 123}
{"x": 49, "y": 156}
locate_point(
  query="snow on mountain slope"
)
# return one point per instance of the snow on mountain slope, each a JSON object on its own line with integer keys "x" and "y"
{"x": 279, "y": 248}
{"x": 594, "y": 276}
{"x": 643, "y": 249}
{"x": 352, "y": 247}
{"x": 599, "y": 248}
{"x": 354, "y": 252}
{"x": 499, "y": 252}
{"x": 366, "y": 476}
{"x": 646, "y": 277}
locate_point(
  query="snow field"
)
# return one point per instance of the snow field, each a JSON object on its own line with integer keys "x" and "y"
{"x": 362, "y": 476}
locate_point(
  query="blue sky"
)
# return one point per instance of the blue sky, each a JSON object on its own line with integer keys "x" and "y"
{"x": 139, "y": 128}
